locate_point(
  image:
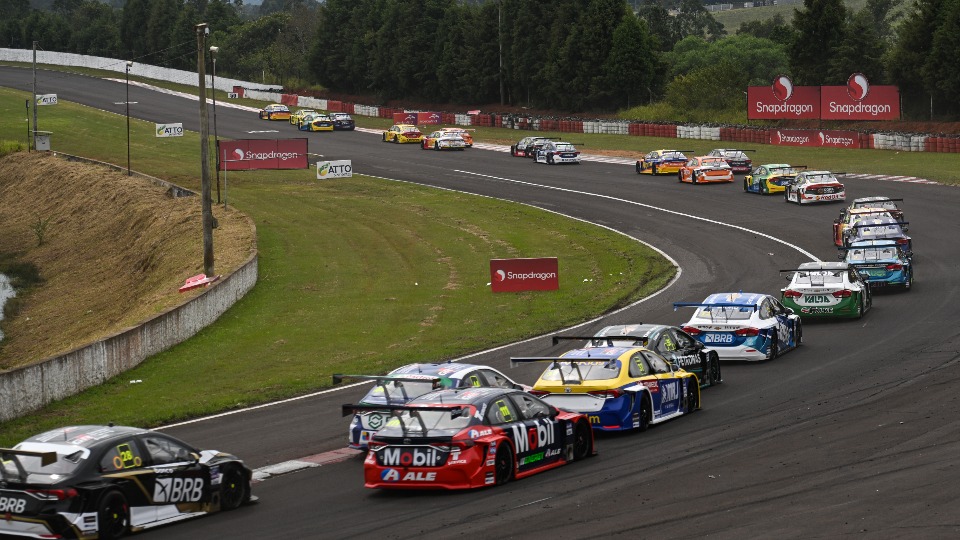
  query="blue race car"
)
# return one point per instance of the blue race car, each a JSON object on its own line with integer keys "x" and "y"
{"x": 744, "y": 326}
{"x": 884, "y": 228}
{"x": 881, "y": 263}
{"x": 413, "y": 380}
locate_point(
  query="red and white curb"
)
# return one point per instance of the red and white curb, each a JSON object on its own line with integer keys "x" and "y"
{"x": 309, "y": 462}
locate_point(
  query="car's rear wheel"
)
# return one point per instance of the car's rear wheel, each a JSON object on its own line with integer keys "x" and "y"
{"x": 653, "y": 169}
{"x": 860, "y": 307}
{"x": 693, "y": 396}
{"x": 714, "y": 367}
{"x": 693, "y": 177}
{"x": 113, "y": 516}
{"x": 582, "y": 442}
{"x": 503, "y": 464}
{"x": 234, "y": 488}
{"x": 384, "y": 137}
{"x": 909, "y": 283}
{"x": 436, "y": 146}
{"x": 745, "y": 186}
{"x": 639, "y": 167}
{"x": 797, "y": 334}
{"x": 549, "y": 159}
{"x": 645, "y": 413}
{"x": 679, "y": 176}
{"x": 774, "y": 350}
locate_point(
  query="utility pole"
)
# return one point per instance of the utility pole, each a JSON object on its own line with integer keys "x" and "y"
{"x": 205, "y": 197}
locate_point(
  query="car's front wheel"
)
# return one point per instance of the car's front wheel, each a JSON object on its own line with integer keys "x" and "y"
{"x": 693, "y": 396}
{"x": 582, "y": 442}
{"x": 113, "y": 516}
{"x": 774, "y": 350}
{"x": 503, "y": 464}
{"x": 234, "y": 488}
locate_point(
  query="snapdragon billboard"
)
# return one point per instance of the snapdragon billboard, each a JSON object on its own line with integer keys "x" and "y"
{"x": 254, "y": 154}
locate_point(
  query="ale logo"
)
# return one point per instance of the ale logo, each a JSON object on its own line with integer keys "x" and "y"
{"x": 782, "y": 88}
{"x": 858, "y": 87}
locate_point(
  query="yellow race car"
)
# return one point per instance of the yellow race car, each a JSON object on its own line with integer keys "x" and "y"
{"x": 770, "y": 178}
{"x": 297, "y": 117}
{"x": 403, "y": 133}
{"x": 618, "y": 388}
{"x": 316, "y": 122}
{"x": 275, "y": 111}
{"x": 662, "y": 162}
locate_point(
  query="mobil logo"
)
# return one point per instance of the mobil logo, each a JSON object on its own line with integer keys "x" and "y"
{"x": 529, "y": 437}
{"x": 412, "y": 457}
{"x": 858, "y": 87}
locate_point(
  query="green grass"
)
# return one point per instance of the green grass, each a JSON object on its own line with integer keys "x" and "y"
{"x": 341, "y": 288}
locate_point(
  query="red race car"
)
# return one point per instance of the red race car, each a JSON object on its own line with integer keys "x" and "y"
{"x": 471, "y": 437}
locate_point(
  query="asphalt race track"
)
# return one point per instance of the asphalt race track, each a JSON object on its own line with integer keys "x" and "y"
{"x": 856, "y": 432}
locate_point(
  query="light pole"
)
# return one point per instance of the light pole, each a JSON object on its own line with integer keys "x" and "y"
{"x": 127, "y": 103}
{"x": 205, "y": 199}
{"x": 216, "y": 141}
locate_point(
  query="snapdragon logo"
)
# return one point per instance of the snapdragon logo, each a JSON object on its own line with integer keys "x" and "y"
{"x": 792, "y": 139}
{"x": 858, "y": 87}
{"x": 782, "y": 88}
{"x": 860, "y": 108}
{"x": 827, "y": 140}
{"x": 530, "y": 275}
{"x": 796, "y": 109}
{"x": 273, "y": 154}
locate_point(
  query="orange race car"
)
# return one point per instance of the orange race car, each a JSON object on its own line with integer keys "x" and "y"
{"x": 705, "y": 169}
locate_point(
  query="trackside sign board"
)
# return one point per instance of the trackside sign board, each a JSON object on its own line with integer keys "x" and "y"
{"x": 170, "y": 130}
{"x": 334, "y": 169}
{"x": 516, "y": 275}
{"x": 255, "y": 154}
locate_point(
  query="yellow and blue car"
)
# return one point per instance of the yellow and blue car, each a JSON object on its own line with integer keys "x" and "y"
{"x": 297, "y": 116}
{"x": 618, "y": 388}
{"x": 316, "y": 122}
{"x": 403, "y": 133}
{"x": 275, "y": 111}
{"x": 662, "y": 162}
{"x": 770, "y": 178}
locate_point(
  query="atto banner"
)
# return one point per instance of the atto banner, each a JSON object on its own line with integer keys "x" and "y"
{"x": 334, "y": 169}
{"x": 782, "y": 100}
{"x": 428, "y": 118}
{"x": 255, "y": 154}
{"x": 817, "y": 138}
{"x": 405, "y": 118}
{"x": 170, "y": 130}
{"x": 47, "y": 99}
{"x": 515, "y": 275}
{"x": 861, "y": 103}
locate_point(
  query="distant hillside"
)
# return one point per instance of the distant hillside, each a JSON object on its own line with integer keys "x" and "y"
{"x": 731, "y": 19}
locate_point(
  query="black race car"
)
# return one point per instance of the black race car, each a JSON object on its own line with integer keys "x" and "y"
{"x": 104, "y": 481}
{"x": 342, "y": 121}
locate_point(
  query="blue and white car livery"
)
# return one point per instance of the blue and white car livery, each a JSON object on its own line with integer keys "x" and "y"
{"x": 881, "y": 263}
{"x": 744, "y": 326}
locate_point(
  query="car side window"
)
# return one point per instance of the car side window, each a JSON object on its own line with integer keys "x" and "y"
{"x": 495, "y": 379}
{"x": 503, "y": 411}
{"x": 123, "y": 456}
{"x": 163, "y": 450}
{"x": 636, "y": 367}
{"x": 657, "y": 364}
{"x": 766, "y": 309}
{"x": 471, "y": 379}
{"x": 529, "y": 407}
{"x": 666, "y": 343}
{"x": 683, "y": 340}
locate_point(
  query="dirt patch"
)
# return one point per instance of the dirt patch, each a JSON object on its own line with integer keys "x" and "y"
{"x": 115, "y": 250}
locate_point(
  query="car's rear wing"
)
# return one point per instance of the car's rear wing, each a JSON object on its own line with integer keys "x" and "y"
{"x": 868, "y": 203}
{"x": 380, "y": 379}
{"x": 868, "y": 225}
{"x": 609, "y": 339}
{"x": 456, "y": 411}
{"x": 556, "y": 360}
{"x": 9, "y": 455}
{"x": 872, "y": 246}
{"x": 717, "y": 304}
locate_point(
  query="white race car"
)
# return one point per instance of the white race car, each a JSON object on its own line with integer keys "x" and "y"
{"x": 826, "y": 289}
{"x": 558, "y": 152}
{"x": 814, "y": 186}
{"x": 744, "y": 326}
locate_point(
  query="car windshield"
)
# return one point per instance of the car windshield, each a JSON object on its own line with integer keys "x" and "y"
{"x": 886, "y": 230}
{"x": 446, "y": 421}
{"x": 871, "y": 254}
{"x": 820, "y": 179}
{"x": 818, "y": 277}
{"x": 397, "y": 392}
{"x": 726, "y": 312}
{"x": 565, "y": 147}
{"x": 590, "y": 370}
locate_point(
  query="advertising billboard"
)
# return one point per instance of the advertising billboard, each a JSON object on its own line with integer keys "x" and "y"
{"x": 783, "y": 100}
{"x": 405, "y": 118}
{"x": 515, "y": 275}
{"x": 829, "y": 138}
{"x": 170, "y": 130}
{"x": 334, "y": 169}
{"x": 255, "y": 154}
{"x": 858, "y": 100}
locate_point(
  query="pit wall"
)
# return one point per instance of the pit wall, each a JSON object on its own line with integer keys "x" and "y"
{"x": 908, "y": 142}
{"x": 28, "y": 388}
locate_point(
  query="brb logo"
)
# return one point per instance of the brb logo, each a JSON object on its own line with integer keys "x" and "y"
{"x": 782, "y": 88}
{"x": 858, "y": 87}
{"x": 174, "y": 490}
{"x": 12, "y": 505}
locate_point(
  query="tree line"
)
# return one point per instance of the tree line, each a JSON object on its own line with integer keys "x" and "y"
{"x": 565, "y": 55}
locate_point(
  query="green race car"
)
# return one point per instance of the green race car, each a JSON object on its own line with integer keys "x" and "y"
{"x": 826, "y": 289}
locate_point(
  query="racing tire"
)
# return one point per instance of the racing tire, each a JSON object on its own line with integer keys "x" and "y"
{"x": 436, "y": 146}
{"x": 113, "y": 516}
{"x": 234, "y": 489}
{"x": 645, "y": 413}
{"x": 384, "y": 137}
{"x": 653, "y": 169}
{"x": 713, "y": 367}
{"x": 639, "y": 168}
{"x": 774, "y": 348}
{"x": 693, "y": 177}
{"x": 693, "y": 397}
{"x": 909, "y": 283}
{"x": 582, "y": 442}
{"x": 550, "y": 159}
{"x": 860, "y": 309}
{"x": 797, "y": 334}
{"x": 679, "y": 176}
{"x": 745, "y": 188}
{"x": 503, "y": 464}
{"x": 396, "y": 140}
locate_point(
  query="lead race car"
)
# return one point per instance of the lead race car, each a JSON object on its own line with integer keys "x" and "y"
{"x": 826, "y": 289}
{"x": 619, "y": 388}
{"x": 744, "y": 326}
{"x": 410, "y": 381}
{"x": 104, "y": 481}
{"x": 471, "y": 437}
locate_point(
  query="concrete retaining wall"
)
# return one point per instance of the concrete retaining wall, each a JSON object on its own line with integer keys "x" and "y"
{"x": 28, "y": 388}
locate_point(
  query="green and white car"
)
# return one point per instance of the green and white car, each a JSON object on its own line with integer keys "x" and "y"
{"x": 826, "y": 289}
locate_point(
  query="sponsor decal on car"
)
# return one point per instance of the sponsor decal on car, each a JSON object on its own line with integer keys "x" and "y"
{"x": 718, "y": 338}
{"x": 12, "y": 505}
{"x": 175, "y": 490}
{"x": 412, "y": 457}
{"x": 536, "y": 436}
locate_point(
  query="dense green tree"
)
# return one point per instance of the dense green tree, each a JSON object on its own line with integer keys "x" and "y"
{"x": 133, "y": 23}
{"x": 95, "y": 30}
{"x": 633, "y": 67}
{"x": 717, "y": 86}
{"x": 820, "y": 28}
{"x": 758, "y": 59}
{"x": 775, "y": 29}
{"x": 940, "y": 74}
{"x": 909, "y": 55}
{"x": 861, "y": 51}
{"x": 661, "y": 24}
{"x": 693, "y": 19}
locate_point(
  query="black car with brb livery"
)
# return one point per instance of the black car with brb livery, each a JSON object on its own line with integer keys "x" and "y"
{"x": 105, "y": 481}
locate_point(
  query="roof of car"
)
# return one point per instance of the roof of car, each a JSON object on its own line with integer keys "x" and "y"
{"x": 597, "y": 353}
{"x": 471, "y": 395}
{"x": 823, "y": 266}
{"x": 84, "y": 436}
{"x": 746, "y": 299}
{"x": 641, "y": 330}
{"x": 446, "y": 369}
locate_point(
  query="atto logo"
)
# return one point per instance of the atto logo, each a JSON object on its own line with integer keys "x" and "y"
{"x": 858, "y": 87}
{"x": 782, "y": 88}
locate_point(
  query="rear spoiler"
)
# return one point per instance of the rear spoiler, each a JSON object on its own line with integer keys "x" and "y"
{"x": 575, "y": 362}
{"x": 719, "y": 304}
{"x": 10, "y": 455}
{"x": 867, "y": 225}
{"x": 874, "y": 246}
{"x": 380, "y": 379}
{"x": 352, "y": 408}
{"x": 608, "y": 339}
{"x": 867, "y": 203}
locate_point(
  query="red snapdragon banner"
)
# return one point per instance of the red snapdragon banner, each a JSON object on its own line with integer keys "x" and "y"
{"x": 869, "y": 103}
{"x": 514, "y": 275}
{"x": 813, "y": 137}
{"x": 254, "y": 154}
{"x": 405, "y": 118}
{"x": 794, "y": 103}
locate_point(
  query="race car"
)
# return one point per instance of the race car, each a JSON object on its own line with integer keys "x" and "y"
{"x": 881, "y": 263}
{"x": 104, "y": 481}
{"x": 705, "y": 169}
{"x": 471, "y": 437}
{"x": 410, "y": 381}
{"x": 737, "y": 159}
{"x": 813, "y": 187}
{"x": 297, "y": 116}
{"x": 403, "y": 133}
{"x": 342, "y": 121}
{"x": 316, "y": 122}
{"x": 881, "y": 228}
{"x": 443, "y": 140}
{"x": 535, "y": 145}
{"x": 618, "y": 388}
{"x": 463, "y": 133}
{"x": 275, "y": 111}
{"x": 744, "y": 326}
{"x": 844, "y": 226}
{"x": 826, "y": 289}
{"x": 879, "y": 203}
{"x": 662, "y": 162}
{"x": 553, "y": 152}
{"x": 520, "y": 149}
{"x": 670, "y": 342}
{"x": 771, "y": 178}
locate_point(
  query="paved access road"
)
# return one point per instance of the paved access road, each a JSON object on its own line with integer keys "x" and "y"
{"x": 855, "y": 432}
